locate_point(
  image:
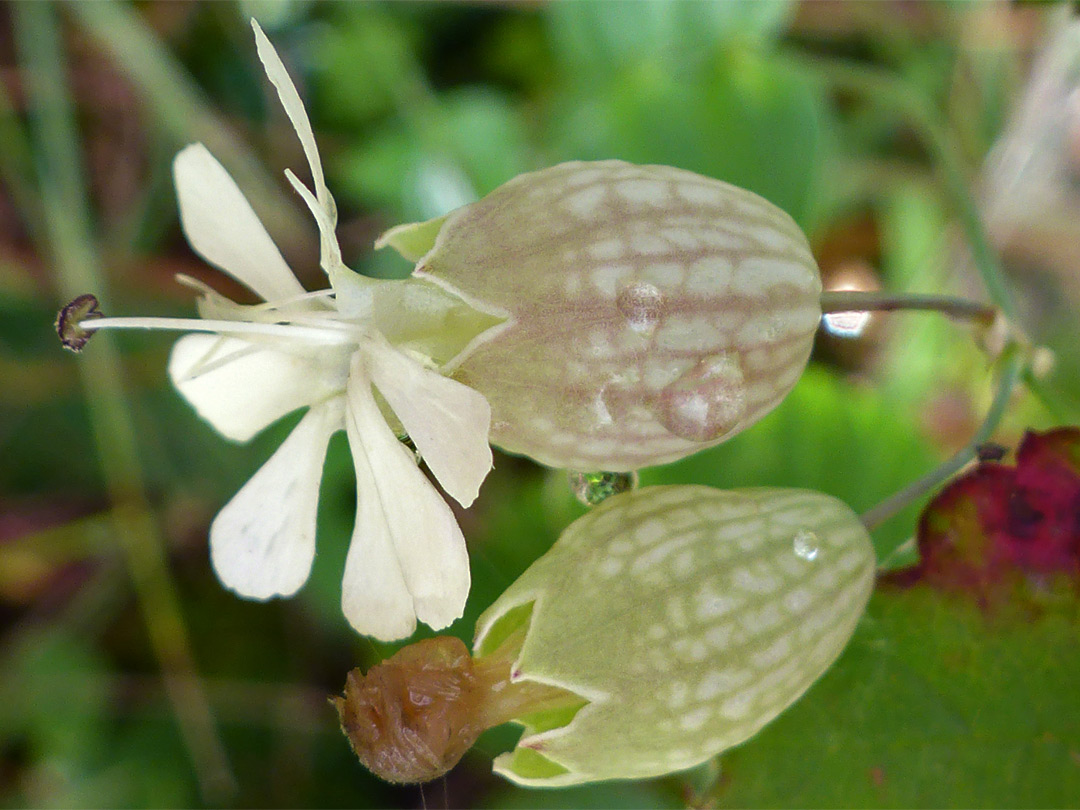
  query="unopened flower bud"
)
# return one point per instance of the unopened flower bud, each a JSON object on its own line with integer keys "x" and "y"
{"x": 650, "y": 312}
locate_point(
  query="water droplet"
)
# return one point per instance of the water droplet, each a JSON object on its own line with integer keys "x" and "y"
{"x": 846, "y": 324}
{"x": 806, "y": 544}
{"x": 706, "y": 402}
{"x": 641, "y": 304}
{"x": 592, "y": 488}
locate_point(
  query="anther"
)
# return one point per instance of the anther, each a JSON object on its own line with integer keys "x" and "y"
{"x": 70, "y": 319}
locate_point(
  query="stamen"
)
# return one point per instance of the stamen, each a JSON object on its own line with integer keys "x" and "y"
{"x": 206, "y": 290}
{"x": 328, "y": 332}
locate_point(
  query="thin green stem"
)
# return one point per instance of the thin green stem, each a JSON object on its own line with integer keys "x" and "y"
{"x": 67, "y": 236}
{"x": 883, "y": 88}
{"x": 873, "y": 301}
{"x": 16, "y": 164}
{"x": 1013, "y": 366}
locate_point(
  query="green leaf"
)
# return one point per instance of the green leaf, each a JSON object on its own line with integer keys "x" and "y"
{"x": 931, "y": 705}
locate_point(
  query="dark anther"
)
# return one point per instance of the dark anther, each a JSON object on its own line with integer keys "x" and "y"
{"x": 70, "y": 318}
{"x": 990, "y": 452}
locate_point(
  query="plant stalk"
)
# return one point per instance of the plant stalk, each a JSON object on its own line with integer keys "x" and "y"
{"x": 873, "y": 301}
{"x": 881, "y": 87}
{"x": 67, "y": 237}
{"x": 1013, "y": 366}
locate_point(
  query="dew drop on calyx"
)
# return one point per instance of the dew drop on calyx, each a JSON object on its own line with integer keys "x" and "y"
{"x": 595, "y": 487}
{"x": 706, "y": 402}
{"x": 641, "y": 303}
{"x": 805, "y": 544}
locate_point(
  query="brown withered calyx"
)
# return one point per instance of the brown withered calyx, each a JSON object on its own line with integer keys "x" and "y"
{"x": 412, "y": 717}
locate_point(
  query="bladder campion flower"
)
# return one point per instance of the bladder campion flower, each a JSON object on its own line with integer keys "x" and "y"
{"x": 663, "y": 627}
{"x": 650, "y": 312}
{"x": 328, "y": 351}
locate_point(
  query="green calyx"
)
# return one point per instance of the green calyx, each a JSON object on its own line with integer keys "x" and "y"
{"x": 414, "y": 314}
{"x": 648, "y": 312}
{"x": 686, "y": 617}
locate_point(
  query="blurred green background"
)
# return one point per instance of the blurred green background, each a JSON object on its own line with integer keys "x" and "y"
{"x": 129, "y": 677}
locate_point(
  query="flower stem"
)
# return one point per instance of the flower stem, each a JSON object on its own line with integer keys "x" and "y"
{"x": 1013, "y": 366}
{"x": 66, "y": 234}
{"x": 872, "y": 301}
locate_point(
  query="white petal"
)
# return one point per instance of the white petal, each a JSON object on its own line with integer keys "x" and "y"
{"x": 447, "y": 421}
{"x": 263, "y": 541}
{"x": 222, "y": 227}
{"x": 411, "y": 535}
{"x": 240, "y": 387}
{"x": 326, "y": 210}
{"x": 374, "y": 596}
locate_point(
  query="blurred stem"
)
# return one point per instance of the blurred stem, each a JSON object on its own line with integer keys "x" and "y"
{"x": 67, "y": 227}
{"x": 880, "y": 87}
{"x": 873, "y": 301}
{"x": 1014, "y": 362}
{"x": 16, "y": 165}
{"x": 183, "y": 112}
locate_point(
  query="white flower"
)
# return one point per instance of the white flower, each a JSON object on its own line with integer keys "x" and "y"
{"x": 329, "y": 351}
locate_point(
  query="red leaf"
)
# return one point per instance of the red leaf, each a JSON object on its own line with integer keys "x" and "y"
{"x": 1000, "y": 527}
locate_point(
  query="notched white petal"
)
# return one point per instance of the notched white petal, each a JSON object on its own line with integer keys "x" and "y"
{"x": 397, "y": 506}
{"x": 294, "y": 108}
{"x": 322, "y": 206}
{"x": 447, "y": 421}
{"x": 240, "y": 387}
{"x": 221, "y": 226}
{"x": 263, "y": 542}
